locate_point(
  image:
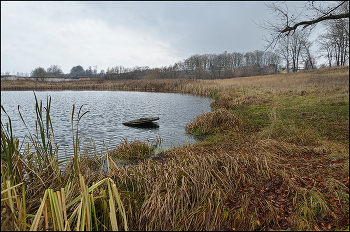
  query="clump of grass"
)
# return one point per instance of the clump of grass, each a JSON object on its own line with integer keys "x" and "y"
{"x": 311, "y": 205}
{"x": 212, "y": 122}
{"x": 132, "y": 151}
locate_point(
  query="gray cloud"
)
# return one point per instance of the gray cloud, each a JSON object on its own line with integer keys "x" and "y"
{"x": 107, "y": 34}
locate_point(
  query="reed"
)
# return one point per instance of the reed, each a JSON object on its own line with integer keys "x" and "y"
{"x": 276, "y": 157}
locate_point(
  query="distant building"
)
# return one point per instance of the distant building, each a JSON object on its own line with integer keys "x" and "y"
{"x": 53, "y": 79}
{"x": 9, "y": 78}
{"x": 26, "y": 79}
{"x": 84, "y": 78}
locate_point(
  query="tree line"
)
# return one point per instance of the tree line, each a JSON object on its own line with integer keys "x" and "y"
{"x": 207, "y": 66}
{"x": 56, "y": 71}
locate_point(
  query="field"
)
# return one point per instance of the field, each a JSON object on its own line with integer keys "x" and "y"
{"x": 274, "y": 156}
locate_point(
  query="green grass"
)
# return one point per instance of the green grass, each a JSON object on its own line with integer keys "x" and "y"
{"x": 326, "y": 120}
{"x": 299, "y": 114}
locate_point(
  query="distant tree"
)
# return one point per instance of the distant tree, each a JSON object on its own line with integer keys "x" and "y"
{"x": 77, "y": 71}
{"x": 39, "y": 73}
{"x": 298, "y": 40}
{"x": 102, "y": 73}
{"x": 334, "y": 43}
{"x": 271, "y": 59}
{"x": 309, "y": 58}
{"x": 89, "y": 72}
{"x": 55, "y": 70}
{"x": 325, "y": 46}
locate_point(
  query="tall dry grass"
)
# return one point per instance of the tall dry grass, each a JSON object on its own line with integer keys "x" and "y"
{"x": 195, "y": 87}
{"x": 213, "y": 122}
{"x": 321, "y": 80}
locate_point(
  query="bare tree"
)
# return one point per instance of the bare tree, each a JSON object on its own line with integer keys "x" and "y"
{"x": 308, "y": 58}
{"x": 325, "y": 45}
{"x": 39, "y": 73}
{"x": 284, "y": 51}
{"x": 288, "y": 18}
{"x": 55, "y": 70}
{"x": 339, "y": 32}
{"x": 89, "y": 72}
{"x": 298, "y": 40}
{"x": 335, "y": 42}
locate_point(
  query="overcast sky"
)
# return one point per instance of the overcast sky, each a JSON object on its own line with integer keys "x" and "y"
{"x": 107, "y": 34}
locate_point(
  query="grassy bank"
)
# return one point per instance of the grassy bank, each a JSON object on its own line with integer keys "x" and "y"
{"x": 275, "y": 157}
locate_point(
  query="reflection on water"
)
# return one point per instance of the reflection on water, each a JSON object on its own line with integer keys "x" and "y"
{"x": 108, "y": 110}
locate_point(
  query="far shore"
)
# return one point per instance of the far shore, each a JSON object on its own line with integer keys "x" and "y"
{"x": 188, "y": 86}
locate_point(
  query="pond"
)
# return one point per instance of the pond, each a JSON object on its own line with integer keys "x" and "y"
{"x": 102, "y": 127}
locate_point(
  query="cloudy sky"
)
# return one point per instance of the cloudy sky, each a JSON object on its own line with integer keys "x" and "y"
{"x": 107, "y": 34}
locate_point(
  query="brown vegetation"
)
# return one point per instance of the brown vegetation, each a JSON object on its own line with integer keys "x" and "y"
{"x": 276, "y": 157}
{"x": 197, "y": 87}
{"x": 213, "y": 122}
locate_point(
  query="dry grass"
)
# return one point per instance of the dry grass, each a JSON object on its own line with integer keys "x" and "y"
{"x": 231, "y": 102}
{"x": 133, "y": 151}
{"x": 213, "y": 122}
{"x": 272, "y": 161}
{"x": 154, "y": 85}
{"x": 322, "y": 80}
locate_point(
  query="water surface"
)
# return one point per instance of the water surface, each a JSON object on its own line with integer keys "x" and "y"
{"x": 108, "y": 109}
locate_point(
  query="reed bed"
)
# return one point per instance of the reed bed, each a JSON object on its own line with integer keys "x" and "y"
{"x": 187, "y": 86}
{"x": 276, "y": 157}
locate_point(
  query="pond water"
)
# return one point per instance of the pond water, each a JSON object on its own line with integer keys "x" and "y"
{"x": 108, "y": 110}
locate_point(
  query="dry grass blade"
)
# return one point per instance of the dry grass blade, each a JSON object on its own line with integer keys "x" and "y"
{"x": 56, "y": 209}
{"x": 10, "y": 188}
{"x": 112, "y": 211}
{"x": 86, "y": 202}
{"x": 120, "y": 205}
{"x": 63, "y": 199}
{"x": 37, "y": 217}
{"x": 79, "y": 211}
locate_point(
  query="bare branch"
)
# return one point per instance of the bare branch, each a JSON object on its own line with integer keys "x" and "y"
{"x": 311, "y": 22}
